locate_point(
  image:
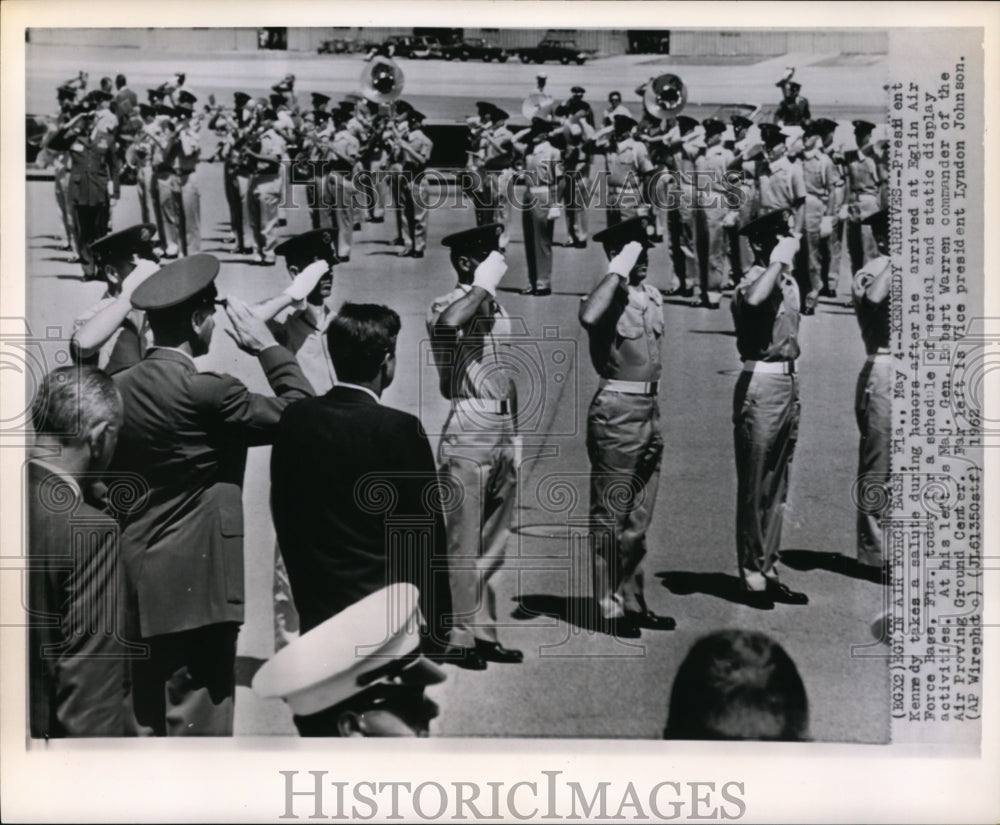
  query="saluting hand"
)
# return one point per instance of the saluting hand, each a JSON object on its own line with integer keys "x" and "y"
{"x": 250, "y": 333}
{"x": 490, "y": 272}
{"x": 305, "y": 282}
{"x": 785, "y": 250}
{"x": 624, "y": 262}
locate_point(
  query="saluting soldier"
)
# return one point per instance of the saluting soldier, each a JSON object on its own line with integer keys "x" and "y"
{"x": 186, "y": 433}
{"x": 873, "y": 398}
{"x": 577, "y": 133}
{"x": 682, "y": 143}
{"x": 93, "y": 165}
{"x": 623, "y": 317}
{"x": 746, "y": 155}
{"x": 112, "y": 334}
{"x": 476, "y": 454}
{"x": 765, "y": 311}
{"x": 237, "y": 127}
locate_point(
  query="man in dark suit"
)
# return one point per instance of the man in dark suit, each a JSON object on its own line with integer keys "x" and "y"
{"x": 78, "y": 670}
{"x": 186, "y": 433}
{"x": 93, "y": 165}
{"x": 354, "y": 489}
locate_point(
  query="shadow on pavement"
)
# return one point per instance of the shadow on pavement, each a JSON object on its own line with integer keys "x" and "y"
{"x": 834, "y": 562}
{"x": 730, "y": 332}
{"x": 720, "y": 585}
{"x": 246, "y": 669}
{"x": 573, "y": 610}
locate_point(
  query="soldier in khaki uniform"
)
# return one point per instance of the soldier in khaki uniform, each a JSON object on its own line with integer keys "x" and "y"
{"x": 476, "y": 454}
{"x": 412, "y": 151}
{"x": 873, "y": 399}
{"x": 765, "y": 311}
{"x": 822, "y": 182}
{"x": 628, "y": 165}
{"x": 340, "y": 157}
{"x": 862, "y": 196}
{"x": 623, "y": 317}
{"x": 543, "y": 170}
{"x": 710, "y": 233}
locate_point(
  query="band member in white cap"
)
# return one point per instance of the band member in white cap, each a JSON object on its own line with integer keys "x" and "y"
{"x": 359, "y": 673}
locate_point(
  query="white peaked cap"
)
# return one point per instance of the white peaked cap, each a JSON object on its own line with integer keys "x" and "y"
{"x": 341, "y": 657}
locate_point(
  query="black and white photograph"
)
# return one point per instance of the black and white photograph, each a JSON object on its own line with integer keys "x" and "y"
{"x": 599, "y": 392}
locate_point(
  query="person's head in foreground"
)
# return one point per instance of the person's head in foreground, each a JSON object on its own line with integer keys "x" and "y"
{"x": 738, "y": 684}
{"x": 360, "y": 673}
{"x": 361, "y": 339}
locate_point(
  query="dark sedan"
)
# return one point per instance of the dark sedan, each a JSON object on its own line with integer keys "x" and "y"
{"x": 475, "y": 48}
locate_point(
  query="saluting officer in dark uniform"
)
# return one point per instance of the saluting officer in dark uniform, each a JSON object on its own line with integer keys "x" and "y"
{"x": 766, "y": 404}
{"x": 623, "y": 316}
{"x": 186, "y": 433}
{"x": 873, "y": 399}
{"x": 793, "y": 109}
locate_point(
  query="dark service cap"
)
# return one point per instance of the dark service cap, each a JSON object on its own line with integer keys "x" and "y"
{"x": 615, "y": 237}
{"x": 623, "y": 122}
{"x": 713, "y": 127}
{"x": 686, "y": 124}
{"x": 485, "y": 238}
{"x": 177, "y": 282}
{"x": 770, "y": 224}
{"x": 316, "y": 243}
{"x": 136, "y": 239}
{"x": 740, "y": 122}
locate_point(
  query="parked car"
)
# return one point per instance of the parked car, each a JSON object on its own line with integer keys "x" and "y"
{"x": 425, "y": 47}
{"x": 395, "y": 45}
{"x": 551, "y": 48}
{"x": 475, "y": 48}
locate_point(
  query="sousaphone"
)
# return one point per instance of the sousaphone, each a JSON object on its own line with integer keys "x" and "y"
{"x": 538, "y": 104}
{"x": 382, "y": 80}
{"x": 665, "y": 96}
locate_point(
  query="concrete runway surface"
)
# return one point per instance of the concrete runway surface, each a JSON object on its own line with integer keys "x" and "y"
{"x": 573, "y": 683}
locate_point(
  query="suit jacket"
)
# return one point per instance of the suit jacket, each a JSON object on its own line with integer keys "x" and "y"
{"x": 355, "y": 505}
{"x": 78, "y": 673}
{"x": 93, "y": 163}
{"x": 187, "y": 433}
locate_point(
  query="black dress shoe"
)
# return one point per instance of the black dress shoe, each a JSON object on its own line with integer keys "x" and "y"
{"x": 418, "y": 253}
{"x": 651, "y": 621}
{"x": 534, "y": 290}
{"x": 464, "y": 657}
{"x": 759, "y": 599}
{"x": 625, "y": 627}
{"x": 679, "y": 292}
{"x": 376, "y": 220}
{"x": 656, "y": 238}
{"x": 809, "y": 311}
{"x": 398, "y": 242}
{"x": 356, "y": 227}
{"x": 344, "y": 260}
{"x": 826, "y": 292}
{"x": 783, "y": 594}
{"x": 704, "y": 303}
{"x": 495, "y": 652}
{"x": 579, "y": 244}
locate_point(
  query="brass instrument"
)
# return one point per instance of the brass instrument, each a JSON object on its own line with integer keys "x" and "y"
{"x": 665, "y": 96}
{"x": 382, "y": 80}
{"x": 538, "y": 104}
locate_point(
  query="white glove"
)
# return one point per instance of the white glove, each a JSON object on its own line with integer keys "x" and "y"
{"x": 623, "y": 263}
{"x": 490, "y": 272}
{"x": 785, "y": 251}
{"x": 844, "y": 212}
{"x": 305, "y": 282}
{"x": 553, "y": 213}
{"x": 826, "y": 226}
{"x": 143, "y": 269}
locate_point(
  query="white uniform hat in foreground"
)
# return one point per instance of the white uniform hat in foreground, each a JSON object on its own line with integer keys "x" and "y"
{"x": 374, "y": 641}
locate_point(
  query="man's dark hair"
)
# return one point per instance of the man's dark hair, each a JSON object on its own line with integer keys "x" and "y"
{"x": 737, "y": 684}
{"x": 172, "y": 326}
{"x": 358, "y": 339}
{"x": 73, "y": 400}
{"x": 120, "y": 81}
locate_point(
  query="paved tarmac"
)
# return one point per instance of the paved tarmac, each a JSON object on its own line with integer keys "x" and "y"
{"x": 574, "y": 683}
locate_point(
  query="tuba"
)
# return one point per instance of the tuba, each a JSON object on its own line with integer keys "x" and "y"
{"x": 382, "y": 80}
{"x": 665, "y": 96}
{"x": 538, "y": 105}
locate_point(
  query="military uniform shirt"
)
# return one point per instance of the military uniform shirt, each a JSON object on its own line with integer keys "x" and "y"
{"x": 783, "y": 186}
{"x": 476, "y": 365}
{"x": 303, "y": 333}
{"x": 629, "y": 161}
{"x": 770, "y": 330}
{"x": 626, "y": 346}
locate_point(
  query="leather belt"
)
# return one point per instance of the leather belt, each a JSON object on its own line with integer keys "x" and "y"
{"x": 483, "y": 405}
{"x": 772, "y": 367}
{"x": 631, "y": 387}
{"x": 880, "y": 355}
